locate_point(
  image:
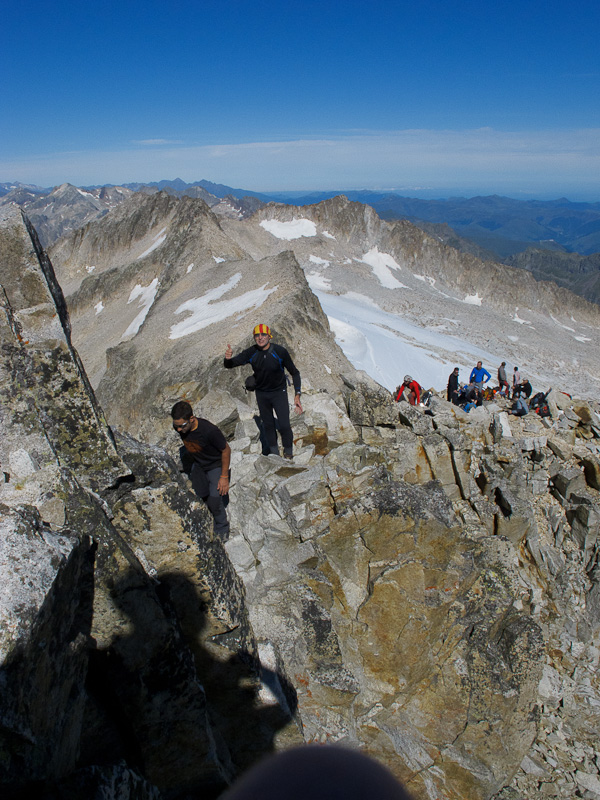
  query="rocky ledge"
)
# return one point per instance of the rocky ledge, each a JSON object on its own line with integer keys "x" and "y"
{"x": 449, "y": 562}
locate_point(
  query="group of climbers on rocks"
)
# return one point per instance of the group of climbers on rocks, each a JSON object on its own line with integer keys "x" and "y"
{"x": 205, "y": 454}
{"x": 473, "y": 393}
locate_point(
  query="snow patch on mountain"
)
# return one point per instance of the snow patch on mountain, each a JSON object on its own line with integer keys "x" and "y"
{"x": 204, "y": 311}
{"x": 363, "y": 299}
{"x": 158, "y": 240}
{"x": 566, "y": 327}
{"x": 294, "y": 229}
{"x": 146, "y": 296}
{"x": 473, "y": 299}
{"x": 318, "y": 281}
{"x": 322, "y": 262}
{"x": 425, "y": 279}
{"x": 382, "y": 264}
{"x": 386, "y": 346}
{"x": 517, "y": 318}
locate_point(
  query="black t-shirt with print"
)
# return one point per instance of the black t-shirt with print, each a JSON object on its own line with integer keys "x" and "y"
{"x": 205, "y": 444}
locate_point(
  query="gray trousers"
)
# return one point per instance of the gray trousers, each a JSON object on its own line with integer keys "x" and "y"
{"x": 205, "y": 486}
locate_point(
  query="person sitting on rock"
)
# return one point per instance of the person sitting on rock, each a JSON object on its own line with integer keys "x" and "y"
{"x": 452, "y": 393}
{"x": 409, "y": 390}
{"x": 473, "y": 394}
{"x": 520, "y": 407}
{"x": 524, "y": 388}
{"x": 269, "y": 362}
{"x": 479, "y": 375}
{"x": 205, "y": 457}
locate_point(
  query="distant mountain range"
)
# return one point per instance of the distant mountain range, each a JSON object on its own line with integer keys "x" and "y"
{"x": 501, "y": 225}
{"x": 553, "y": 239}
{"x": 218, "y": 190}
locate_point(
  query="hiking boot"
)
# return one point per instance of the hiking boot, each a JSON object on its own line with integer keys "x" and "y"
{"x": 288, "y": 456}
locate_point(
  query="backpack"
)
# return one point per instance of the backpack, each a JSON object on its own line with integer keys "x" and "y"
{"x": 426, "y": 398}
{"x": 537, "y": 400}
{"x": 250, "y": 382}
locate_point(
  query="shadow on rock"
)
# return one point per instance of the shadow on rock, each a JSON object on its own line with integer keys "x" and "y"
{"x": 183, "y": 705}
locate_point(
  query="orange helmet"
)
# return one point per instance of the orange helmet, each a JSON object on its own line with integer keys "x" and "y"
{"x": 262, "y": 329}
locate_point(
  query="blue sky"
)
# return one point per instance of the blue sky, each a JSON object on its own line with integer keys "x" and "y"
{"x": 426, "y": 95}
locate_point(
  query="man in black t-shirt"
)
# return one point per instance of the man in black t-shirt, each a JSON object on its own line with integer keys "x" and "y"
{"x": 452, "y": 391}
{"x": 269, "y": 362}
{"x": 205, "y": 456}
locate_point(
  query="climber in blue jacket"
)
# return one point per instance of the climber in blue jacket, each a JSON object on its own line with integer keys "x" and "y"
{"x": 479, "y": 376}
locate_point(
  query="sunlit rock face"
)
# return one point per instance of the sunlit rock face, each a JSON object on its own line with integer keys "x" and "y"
{"x": 430, "y": 588}
{"x": 419, "y": 583}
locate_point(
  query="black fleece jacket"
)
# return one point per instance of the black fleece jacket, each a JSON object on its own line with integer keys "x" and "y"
{"x": 268, "y": 366}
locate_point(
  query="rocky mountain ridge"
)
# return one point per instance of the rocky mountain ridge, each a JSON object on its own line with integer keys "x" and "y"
{"x": 501, "y": 224}
{"x": 580, "y": 274}
{"x": 200, "y": 296}
{"x": 416, "y": 277}
{"x": 421, "y": 584}
{"x": 493, "y": 229}
{"x": 59, "y": 211}
{"x": 64, "y": 208}
{"x": 159, "y": 286}
{"x": 101, "y": 671}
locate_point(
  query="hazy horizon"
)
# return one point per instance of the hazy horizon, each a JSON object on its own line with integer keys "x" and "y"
{"x": 433, "y": 96}
{"x": 423, "y": 193}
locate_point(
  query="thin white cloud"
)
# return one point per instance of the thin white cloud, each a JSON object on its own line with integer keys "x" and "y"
{"x": 156, "y": 142}
{"x": 538, "y": 162}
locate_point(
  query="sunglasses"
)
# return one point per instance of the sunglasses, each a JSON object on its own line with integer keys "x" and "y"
{"x": 181, "y": 427}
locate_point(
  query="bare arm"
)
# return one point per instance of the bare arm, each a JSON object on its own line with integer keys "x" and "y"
{"x": 223, "y": 484}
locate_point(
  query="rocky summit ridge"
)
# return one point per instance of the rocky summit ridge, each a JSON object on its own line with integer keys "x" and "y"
{"x": 58, "y": 211}
{"x": 419, "y": 583}
{"x": 160, "y": 285}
